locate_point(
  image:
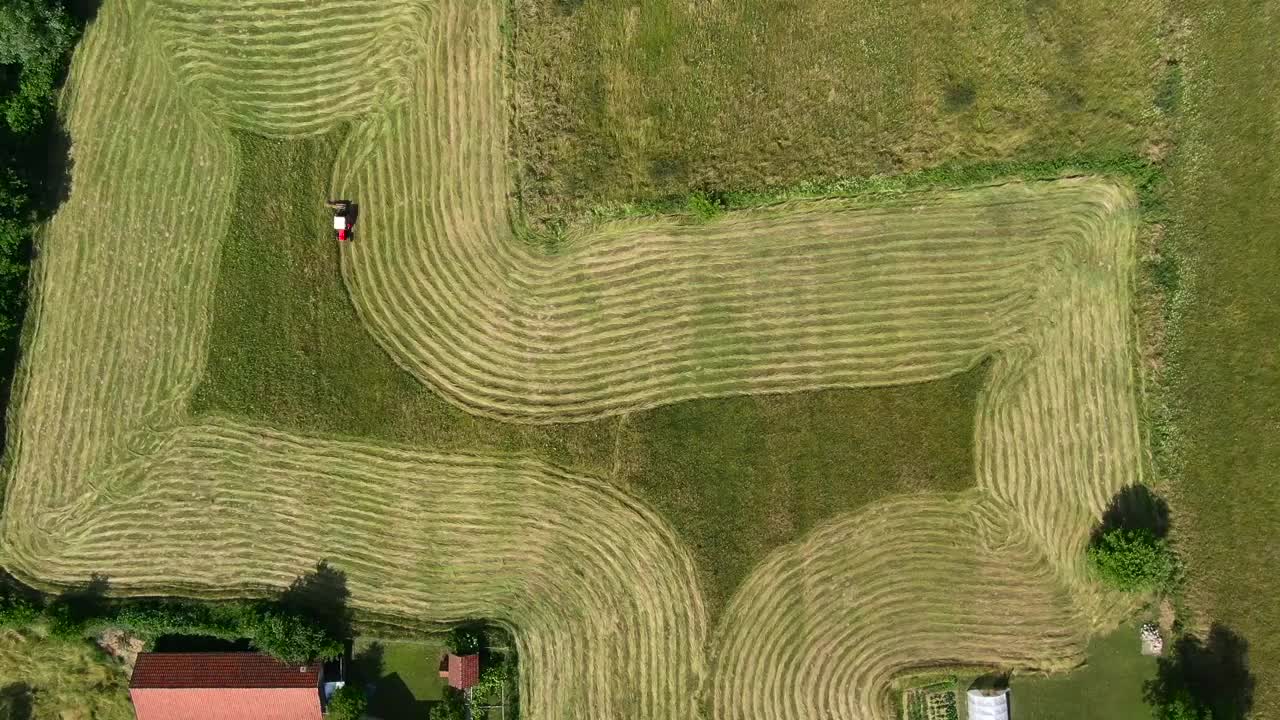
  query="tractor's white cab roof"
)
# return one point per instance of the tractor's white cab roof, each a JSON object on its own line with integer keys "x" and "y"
{"x": 339, "y": 222}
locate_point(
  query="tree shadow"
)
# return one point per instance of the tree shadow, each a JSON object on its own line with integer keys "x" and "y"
{"x": 322, "y": 596}
{"x": 1135, "y": 507}
{"x": 49, "y": 171}
{"x": 393, "y": 700}
{"x": 83, "y": 11}
{"x": 990, "y": 681}
{"x": 367, "y": 665}
{"x": 74, "y": 608}
{"x": 16, "y": 701}
{"x": 199, "y": 643}
{"x": 1214, "y": 672}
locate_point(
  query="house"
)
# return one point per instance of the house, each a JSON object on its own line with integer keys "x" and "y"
{"x": 462, "y": 671}
{"x": 989, "y": 704}
{"x": 224, "y": 686}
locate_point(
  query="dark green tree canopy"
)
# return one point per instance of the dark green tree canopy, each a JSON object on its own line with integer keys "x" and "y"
{"x": 1132, "y": 559}
{"x": 348, "y": 703}
{"x": 34, "y": 32}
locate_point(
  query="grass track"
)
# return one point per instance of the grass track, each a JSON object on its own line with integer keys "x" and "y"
{"x": 602, "y": 595}
{"x": 1227, "y": 360}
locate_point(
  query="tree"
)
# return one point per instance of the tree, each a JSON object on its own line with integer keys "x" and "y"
{"x": 1181, "y": 706}
{"x": 1132, "y": 559}
{"x": 37, "y": 34}
{"x": 348, "y": 703}
{"x": 292, "y": 637}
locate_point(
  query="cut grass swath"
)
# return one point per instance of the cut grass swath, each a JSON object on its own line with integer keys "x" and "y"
{"x": 110, "y": 474}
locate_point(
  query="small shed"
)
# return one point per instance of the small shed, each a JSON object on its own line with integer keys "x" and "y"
{"x": 462, "y": 671}
{"x": 989, "y": 704}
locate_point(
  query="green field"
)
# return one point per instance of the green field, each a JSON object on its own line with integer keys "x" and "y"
{"x": 1227, "y": 177}
{"x": 738, "y": 477}
{"x": 744, "y": 465}
{"x": 619, "y": 100}
{"x": 1107, "y": 687}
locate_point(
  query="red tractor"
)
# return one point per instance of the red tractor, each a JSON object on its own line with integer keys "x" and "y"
{"x": 344, "y": 218}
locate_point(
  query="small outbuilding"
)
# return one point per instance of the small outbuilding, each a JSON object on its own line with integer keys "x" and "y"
{"x": 989, "y": 704}
{"x": 462, "y": 671}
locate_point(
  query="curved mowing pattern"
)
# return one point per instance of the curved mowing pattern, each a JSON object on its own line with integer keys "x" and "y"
{"x": 642, "y": 314}
{"x": 600, "y": 592}
{"x": 109, "y": 474}
{"x": 289, "y": 67}
{"x": 821, "y": 627}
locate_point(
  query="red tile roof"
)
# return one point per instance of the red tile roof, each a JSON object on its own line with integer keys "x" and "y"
{"x": 464, "y": 670}
{"x": 223, "y": 686}
{"x": 221, "y": 670}
{"x": 226, "y": 704}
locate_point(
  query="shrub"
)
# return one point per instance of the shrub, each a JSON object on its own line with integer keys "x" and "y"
{"x": 1182, "y": 706}
{"x": 1132, "y": 559}
{"x": 16, "y": 612}
{"x": 291, "y": 637}
{"x": 348, "y": 703}
{"x": 486, "y": 687}
{"x": 465, "y": 640}
{"x": 64, "y": 622}
{"x": 704, "y": 206}
{"x": 450, "y": 707}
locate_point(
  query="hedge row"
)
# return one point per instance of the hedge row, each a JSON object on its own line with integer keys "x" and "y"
{"x": 285, "y": 633}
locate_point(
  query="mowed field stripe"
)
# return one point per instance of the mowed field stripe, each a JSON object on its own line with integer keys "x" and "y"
{"x": 594, "y": 580}
{"x": 821, "y": 627}
{"x": 600, "y": 593}
{"x": 648, "y": 313}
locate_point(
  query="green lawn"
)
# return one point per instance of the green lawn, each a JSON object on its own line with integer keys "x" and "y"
{"x": 626, "y": 99}
{"x": 1108, "y": 687}
{"x": 1226, "y": 174}
{"x": 405, "y": 675}
{"x": 737, "y": 477}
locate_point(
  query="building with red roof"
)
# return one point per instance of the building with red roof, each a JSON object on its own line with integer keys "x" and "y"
{"x": 224, "y": 686}
{"x": 462, "y": 671}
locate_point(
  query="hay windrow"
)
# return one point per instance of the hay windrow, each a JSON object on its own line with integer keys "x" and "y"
{"x": 111, "y": 474}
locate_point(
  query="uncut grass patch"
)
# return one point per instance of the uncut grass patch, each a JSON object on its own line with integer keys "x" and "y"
{"x": 740, "y": 476}
{"x": 619, "y": 100}
{"x": 1224, "y": 309}
{"x": 288, "y": 348}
